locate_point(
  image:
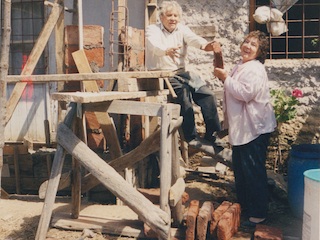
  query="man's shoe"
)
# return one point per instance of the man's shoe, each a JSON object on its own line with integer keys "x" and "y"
{"x": 222, "y": 133}
{"x": 216, "y": 141}
{"x": 250, "y": 224}
{"x": 204, "y": 146}
{"x": 195, "y": 143}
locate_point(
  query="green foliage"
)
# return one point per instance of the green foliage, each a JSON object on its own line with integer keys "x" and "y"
{"x": 315, "y": 42}
{"x": 285, "y": 106}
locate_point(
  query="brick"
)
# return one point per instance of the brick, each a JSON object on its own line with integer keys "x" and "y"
{"x": 192, "y": 219}
{"x": 263, "y": 232}
{"x": 203, "y": 219}
{"x": 229, "y": 222}
{"x": 238, "y": 216}
{"x": 218, "y": 61}
{"x": 92, "y": 35}
{"x": 216, "y": 215}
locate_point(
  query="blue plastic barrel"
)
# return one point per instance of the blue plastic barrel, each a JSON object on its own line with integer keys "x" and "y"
{"x": 302, "y": 157}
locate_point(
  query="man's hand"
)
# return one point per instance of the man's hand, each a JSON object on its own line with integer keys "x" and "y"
{"x": 208, "y": 47}
{"x": 173, "y": 52}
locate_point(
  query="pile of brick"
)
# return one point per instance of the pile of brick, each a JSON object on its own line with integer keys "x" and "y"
{"x": 205, "y": 222}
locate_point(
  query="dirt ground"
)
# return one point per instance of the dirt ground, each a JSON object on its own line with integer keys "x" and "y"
{"x": 20, "y": 214}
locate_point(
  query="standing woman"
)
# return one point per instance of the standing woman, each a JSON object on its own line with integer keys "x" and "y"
{"x": 250, "y": 119}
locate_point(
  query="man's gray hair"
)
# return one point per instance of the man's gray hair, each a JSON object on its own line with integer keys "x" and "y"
{"x": 169, "y": 5}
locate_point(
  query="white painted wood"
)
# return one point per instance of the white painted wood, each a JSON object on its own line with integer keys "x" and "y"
{"x": 27, "y": 121}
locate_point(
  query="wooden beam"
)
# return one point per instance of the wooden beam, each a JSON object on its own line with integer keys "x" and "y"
{"x": 156, "y": 218}
{"x": 53, "y": 182}
{"x": 150, "y": 109}
{"x": 165, "y": 159}
{"x": 175, "y": 196}
{"x": 4, "y": 194}
{"x": 176, "y": 192}
{"x": 4, "y": 66}
{"x": 89, "y": 97}
{"x": 147, "y": 147}
{"x": 90, "y": 76}
{"x": 33, "y": 59}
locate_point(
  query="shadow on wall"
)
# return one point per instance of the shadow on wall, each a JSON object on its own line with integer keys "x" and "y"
{"x": 310, "y": 131}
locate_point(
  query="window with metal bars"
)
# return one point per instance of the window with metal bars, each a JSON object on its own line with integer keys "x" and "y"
{"x": 27, "y": 20}
{"x": 303, "y": 35}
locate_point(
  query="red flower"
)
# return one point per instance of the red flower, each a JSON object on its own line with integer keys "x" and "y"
{"x": 297, "y": 93}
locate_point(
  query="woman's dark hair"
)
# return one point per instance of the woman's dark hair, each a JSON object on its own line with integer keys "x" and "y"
{"x": 263, "y": 44}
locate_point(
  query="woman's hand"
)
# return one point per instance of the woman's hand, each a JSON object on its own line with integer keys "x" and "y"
{"x": 220, "y": 73}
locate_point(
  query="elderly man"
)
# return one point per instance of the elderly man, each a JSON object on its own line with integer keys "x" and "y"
{"x": 166, "y": 49}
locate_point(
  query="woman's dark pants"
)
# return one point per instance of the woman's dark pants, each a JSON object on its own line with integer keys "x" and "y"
{"x": 251, "y": 177}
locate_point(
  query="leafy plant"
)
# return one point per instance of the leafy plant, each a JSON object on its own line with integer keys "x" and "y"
{"x": 285, "y": 108}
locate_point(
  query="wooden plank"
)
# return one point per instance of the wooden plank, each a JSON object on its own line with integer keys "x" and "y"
{"x": 147, "y": 147}
{"x": 64, "y": 182}
{"x": 17, "y": 170}
{"x": 124, "y": 227}
{"x": 175, "y": 197}
{"x": 59, "y": 43}
{"x": 171, "y": 90}
{"x": 83, "y": 66}
{"x": 151, "y": 12}
{"x": 133, "y": 108}
{"x": 176, "y": 191}
{"x": 156, "y": 218}
{"x": 9, "y": 149}
{"x": 33, "y": 59}
{"x": 152, "y": 75}
{"x": 4, "y": 194}
{"x": 165, "y": 159}
{"x": 4, "y": 66}
{"x": 53, "y": 182}
{"x": 89, "y": 97}
{"x": 100, "y": 220}
{"x": 103, "y": 118}
{"x": 110, "y": 133}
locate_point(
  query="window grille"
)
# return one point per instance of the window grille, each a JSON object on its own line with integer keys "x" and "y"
{"x": 302, "y": 38}
{"x": 27, "y": 20}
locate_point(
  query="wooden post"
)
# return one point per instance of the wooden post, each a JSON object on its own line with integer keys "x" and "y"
{"x": 156, "y": 218}
{"x": 53, "y": 182}
{"x": 76, "y": 173}
{"x": 165, "y": 160}
{"x": 4, "y": 66}
{"x": 147, "y": 147}
{"x": 16, "y": 169}
{"x": 177, "y": 211}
